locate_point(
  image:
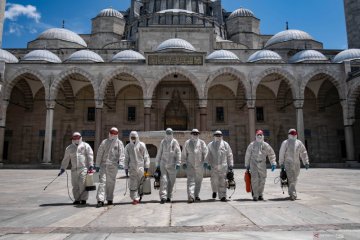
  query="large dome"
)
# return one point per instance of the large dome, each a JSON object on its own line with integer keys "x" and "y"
{"x": 7, "y": 57}
{"x": 41, "y": 55}
{"x": 241, "y": 12}
{"x": 288, "y": 35}
{"x": 347, "y": 55}
{"x": 128, "y": 56}
{"x": 62, "y": 34}
{"x": 175, "y": 44}
{"x": 222, "y": 55}
{"x": 84, "y": 56}
{"x": 308, "y": 56}
{"x": 110, "y": 12}
{"x": 265, "y": 56}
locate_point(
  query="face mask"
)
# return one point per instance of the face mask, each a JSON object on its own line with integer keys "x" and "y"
{"x": 111, "y": 136}
{"x": 292, "y": 137}
{"x": 217, "y": 139}
{"x": 259, "y": 138}
{"x": 76, "y": 142}
{"x": 168, "y": 137}
{"x": 194, "y": 137}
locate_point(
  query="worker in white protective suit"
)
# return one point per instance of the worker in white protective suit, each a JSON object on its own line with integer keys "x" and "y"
{"x": 82, "y": 161}
{"x": 137, "y": 162}
{"x": 291, "y": 151}
{"x": 110, "y": 156}
{"x": 193, "y": 157}
{"x": 219, "y": 160}
{"x": 168, "y": 159}
{"x": 255, "y": 161}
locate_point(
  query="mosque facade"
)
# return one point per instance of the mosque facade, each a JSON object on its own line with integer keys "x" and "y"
{"x": 182, "y": 64}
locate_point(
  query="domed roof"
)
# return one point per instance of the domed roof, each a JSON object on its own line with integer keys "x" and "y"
{"x": 265, "y": 56}
{"x": 84, "y": 56}
{"x": 222, "y": 55}
{"x": 110, "y": 12}
{"x": 41, "y": 55}
{"x": 7, "y": 57}
{"x": 241, "y": 12}
{"x": 288, "y": 35}
{"x": 175, "y": 11}
{"x": 175, "y": 44}
{"x": 347, "y": 55}
{"x": 62, "y": 34}
{"x": 308, "y": 56}
{"x": 128, "y": 55}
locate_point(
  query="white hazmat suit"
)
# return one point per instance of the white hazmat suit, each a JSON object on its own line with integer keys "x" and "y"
{"x": 255, "y": 160}
{"x": 136, "y": 161}
{"x": 220, "y": 159}
{"x": 109, "y": 157}
{"x": 291, "y": 151}
{"x": 80, "y": 155}
{"x": 168, "y": 158}
{"x": 193, "y": 157}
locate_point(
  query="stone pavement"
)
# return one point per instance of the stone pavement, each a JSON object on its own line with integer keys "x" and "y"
{"x": 328, "y": 208}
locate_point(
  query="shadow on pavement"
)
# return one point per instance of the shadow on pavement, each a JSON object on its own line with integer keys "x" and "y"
{"x": 55, "y": 204}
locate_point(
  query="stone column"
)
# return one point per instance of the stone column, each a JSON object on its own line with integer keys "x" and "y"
{"x": 349, "y": 131}
{"x": 98, "y": 123}
{"x": 299, "y": 104}
{"x": 50, "y": 105}
{"x": 3, "y": 107}
{"x": 203, "y": 115}
{"x": 147, "y": 114}
{"x": 251, "y": 110}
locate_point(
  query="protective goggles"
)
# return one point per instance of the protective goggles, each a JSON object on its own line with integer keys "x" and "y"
{"x": 217, "y": 135}
{"x": 76, "y": 137}
{"x": 194, "y": 133}
{"x": 113, "y": 132}
{"x": 293, "y": 133}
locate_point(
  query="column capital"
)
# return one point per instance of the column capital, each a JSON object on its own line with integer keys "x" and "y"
{"x": 250, "y": 103}
{"x": 299, "y": 103}
{"x": 202, "y": 103}
{"x": 99, "y": 103}
{"x": 147, "y": 103}
{"x": 50, "y": 103}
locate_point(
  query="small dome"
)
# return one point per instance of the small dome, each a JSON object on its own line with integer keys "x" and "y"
{"x": 222, "y": 55}
{"x": 175, "y": 44}
{"x": 62, "y": 34}
{"x": 7, "y": 57}
{"x": 265, "y": 56}
{"x": 308, "y": 56}
{"x": 288, "y": 35}
{"x": 241, "y": 12}
{"x": 84, "y": 56}
{"x": 175, "y": 11}
{"x": 347, "y": 55}
{"x": 41, "y": 55}
{"x": 128, "y": 56}
{"x": 110, "y": 12}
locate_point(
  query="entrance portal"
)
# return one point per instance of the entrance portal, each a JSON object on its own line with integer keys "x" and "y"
{"x": 176, "y": 116}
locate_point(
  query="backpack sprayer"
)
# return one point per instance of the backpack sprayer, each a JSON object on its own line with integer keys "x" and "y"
{"x": 157, "y": 175}
{"x": 230, "y": 181}
{"x": 283, "y": 180}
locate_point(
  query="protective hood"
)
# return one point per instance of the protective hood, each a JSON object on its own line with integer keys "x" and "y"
{"x": 76, "y": 138}
{"x": 136, "y": 135}
{"x": 113, "y": 133}
{"x": 169, "y": 134}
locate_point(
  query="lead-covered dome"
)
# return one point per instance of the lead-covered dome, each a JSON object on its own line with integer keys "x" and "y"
{"x": 175, "y": 44}
{"x": 308, "y": 56}
{"x": 7, "y": 57}
{"x": 288, "y": 35}
{"x": 347, "y": 55}
{"x": 241, "y": 12}
{"x": 265, "y": 56}
{"x": 222, "y": 55}
{"x": 84, "y": 56}
{"x": 62, "y": 34}
{"x": 128, "y": 56}
{"x": 41, "y": 56}
{"x": 110, "y": 12}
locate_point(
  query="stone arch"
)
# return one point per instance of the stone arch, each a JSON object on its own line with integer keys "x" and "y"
{"x": 288, "y": 77}
{"x": 233, "y": 72}
{"x": 63, "y": 75}
{"x": 116, "y": 72}
{"x": 281, "y": 97}
{"x": 175, "y": 70}
{"x": 353, "y": 95}
{"x": 13, "y": 80}
{"x": 333, "y": 78}
{"x": 326, "y": 86}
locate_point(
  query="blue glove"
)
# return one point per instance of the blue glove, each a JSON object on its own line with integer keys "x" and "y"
{"x": 146, "y": 170}
{"x": 306, "y": 166}
{"x": 231, "y": 168}
{"x": 97, "y": 169}
{"x": 248, "y": 168}
{"x": 121, "y": 167}
{"x": 127, "y": 172}
{"x": 282, "y": 167}
{"x": 273, "y": 167}
{"x": 205, "y": 165}
{"x": 184, "y": 166}
{"x": 177, "y": 167}
{"x": 91, "y": 168}
{"x": 61, "y": 171}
